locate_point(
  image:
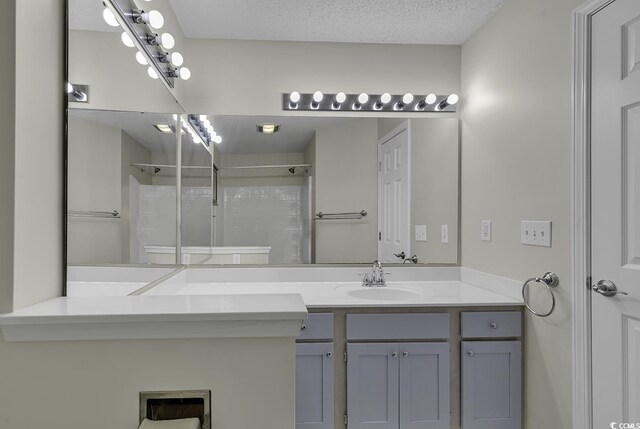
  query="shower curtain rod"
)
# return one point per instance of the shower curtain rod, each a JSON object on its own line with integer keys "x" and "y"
{"x": 247, "y": 167}
{"x": 135, "y": 164}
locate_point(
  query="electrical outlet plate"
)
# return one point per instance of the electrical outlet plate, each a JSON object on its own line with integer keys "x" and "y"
{"x": 236, "y": 259}
{"x": 535, "y": 233}
{"x": 485, "y": 230}
{"x": 421, "y": 233}
{"x": 444, "y": 234}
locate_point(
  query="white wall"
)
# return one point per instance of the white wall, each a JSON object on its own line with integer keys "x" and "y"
{"x": 516, "y": 164}
{"x": 76, "y": 385}
{"x": 346, "y": 180}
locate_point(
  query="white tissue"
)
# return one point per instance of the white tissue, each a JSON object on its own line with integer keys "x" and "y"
{"x": 193, "y": 423}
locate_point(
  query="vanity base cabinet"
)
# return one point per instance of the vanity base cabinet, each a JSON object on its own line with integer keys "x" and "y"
{"x": 398, "y": 385}
{"x": 491, "y": 384}
{"x": 314, "y": 386}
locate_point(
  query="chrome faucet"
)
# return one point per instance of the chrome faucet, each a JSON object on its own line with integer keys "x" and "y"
{"x": 376, "y": 277}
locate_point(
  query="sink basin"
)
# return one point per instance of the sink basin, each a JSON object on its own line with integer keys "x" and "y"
{"x": 384, "y": 294}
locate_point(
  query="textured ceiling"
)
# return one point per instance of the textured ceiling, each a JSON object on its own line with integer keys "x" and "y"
{"x": 362, "y": 21}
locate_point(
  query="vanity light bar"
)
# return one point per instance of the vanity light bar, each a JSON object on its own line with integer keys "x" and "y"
{"x": 139, "y": 32}
{"x": 364, "y": 102}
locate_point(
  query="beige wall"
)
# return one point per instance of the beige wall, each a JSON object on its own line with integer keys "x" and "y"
{"x": 346, "y": 180}
{"x": 95, "y": 185}
{"x": 260, "y": 177}
{"x": 434, "y": 187}
{"x": 516, "y": 164}
{"x": 39, "y": 129}
{"x": 75, "y": 385}
{"x": 310, "y": 158}
{"x": 228, "y": 69}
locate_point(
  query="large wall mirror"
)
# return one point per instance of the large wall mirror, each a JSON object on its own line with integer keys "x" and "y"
{"x": 281, "y": 190}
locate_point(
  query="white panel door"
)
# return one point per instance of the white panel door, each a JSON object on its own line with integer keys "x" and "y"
{"x": 372, "y": 386}
{"x": 393, "y": 196}
{"x": 424, "y": 386}
{"x": 314, "y": 386}
{"x": 615, "y": 213}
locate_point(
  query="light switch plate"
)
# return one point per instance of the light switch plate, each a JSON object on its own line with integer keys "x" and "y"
{"x": 535, "y": 233}
{"x": 485, "y": 230}
{"x": 421, "y": 232}
{"x": 444, "y": 234}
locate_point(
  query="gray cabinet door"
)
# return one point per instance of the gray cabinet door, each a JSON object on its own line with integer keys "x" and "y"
{"x": 491, "y": 385}
{"x": 372, "y": 386}
{"x": 314, "y": 386}
{"x": 424, "y": 386}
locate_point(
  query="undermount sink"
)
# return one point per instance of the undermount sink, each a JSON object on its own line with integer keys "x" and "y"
{"x": 383, "y": 294}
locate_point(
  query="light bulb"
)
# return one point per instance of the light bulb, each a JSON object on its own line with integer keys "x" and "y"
{"x": 69, "y": 88}
{"x": 141, "y": 59}
{"x": 210, "y": 130}
{"x": 184, "y": 73}
{"x": 202, "y": 117}
{"x": 318, "y": 96}
{"x": 176, "y": 59}
{"x": 341, "y": 97}
{"x": 152, "y": 73}
{"x": 126, "y": 40}
{"x": 452, "y": 99}
{"x": 217, "y": 139}
{"x": 430, "y": 99}
{"x": 213, "y": 134}
{"x": 110, "y": 18}
{"x": 154, "y": 19}
{"x": 363, "y": 98}
{"x": 407, "y": 98}
{"x": 206, "y": 122}
{"x": 175, "y": 117}
{"x": 167, "y": 41}
{"x": 385, "y": 98}
{"x": 294, "y": 96}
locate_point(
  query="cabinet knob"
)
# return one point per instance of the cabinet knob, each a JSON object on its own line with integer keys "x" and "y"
{"x": 329, "y": 355}
{"x": 405, "y": 354}
{"x": 471, "y": 353}
{"x": 394, "y": 355}
{"x": 493, "y": 325}
{"x": 303, "y": 327}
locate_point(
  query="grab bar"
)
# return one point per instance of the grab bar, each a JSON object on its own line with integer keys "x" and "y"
{"x": 340, "y": 216}
{"x": 95, "y": 214}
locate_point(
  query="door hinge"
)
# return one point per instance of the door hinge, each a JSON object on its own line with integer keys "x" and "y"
{"x": 379, "y": 236}
{"x": 589, "y": 280}
{"x": 346, "y": 419}
{"x": 345, "y": 356}
{"x": 380, "y": 166}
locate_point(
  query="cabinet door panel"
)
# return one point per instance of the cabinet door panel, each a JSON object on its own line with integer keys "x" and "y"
{"x": 491, "y": 384}
{"x": 314, "y": 386}
{"x": 424, "y": 386}
{"x": 372, "y": 386}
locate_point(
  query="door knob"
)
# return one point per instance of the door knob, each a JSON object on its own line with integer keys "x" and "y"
{"x": 400, "y": 255}
{"x": 329, "y": 355}
{"x": 405, "y": 354}
{"x": 607, "y": 288}
{"x": 471, "y": 353}
{"x": 394, "y": 355}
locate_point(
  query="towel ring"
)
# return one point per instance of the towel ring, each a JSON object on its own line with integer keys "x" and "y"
{"x": 550, "y": 280}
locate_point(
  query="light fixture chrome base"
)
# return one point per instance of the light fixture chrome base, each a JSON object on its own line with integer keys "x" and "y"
{"x": 395, "y": 105}
{"x": 80, "y": 94}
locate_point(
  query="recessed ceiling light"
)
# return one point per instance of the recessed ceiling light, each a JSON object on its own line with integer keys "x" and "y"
{"x": 268, "y": 128}
{"x": 164, "y": 128}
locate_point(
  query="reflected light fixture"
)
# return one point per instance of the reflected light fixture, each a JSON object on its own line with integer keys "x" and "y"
{"x": 294, "y": 99}
{"x": 152, "y": 73}
{"x": 427, "y": 101}
{"x": 385, "y": 102}
{"x": 163, "y": 128}
{"x": 141, "y": 59}
{"x": 126, "y": 40}
{"x": 110, "y": 18}
{"x": 77, "y": 93}
{"x": 317, "y": 98}
{"x": 153, "y": 18}
{"x": 268, "y": 129}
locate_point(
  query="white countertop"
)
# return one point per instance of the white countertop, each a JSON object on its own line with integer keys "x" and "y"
{"x": 147, "y": 317}
{"x": 352, "y": 294}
